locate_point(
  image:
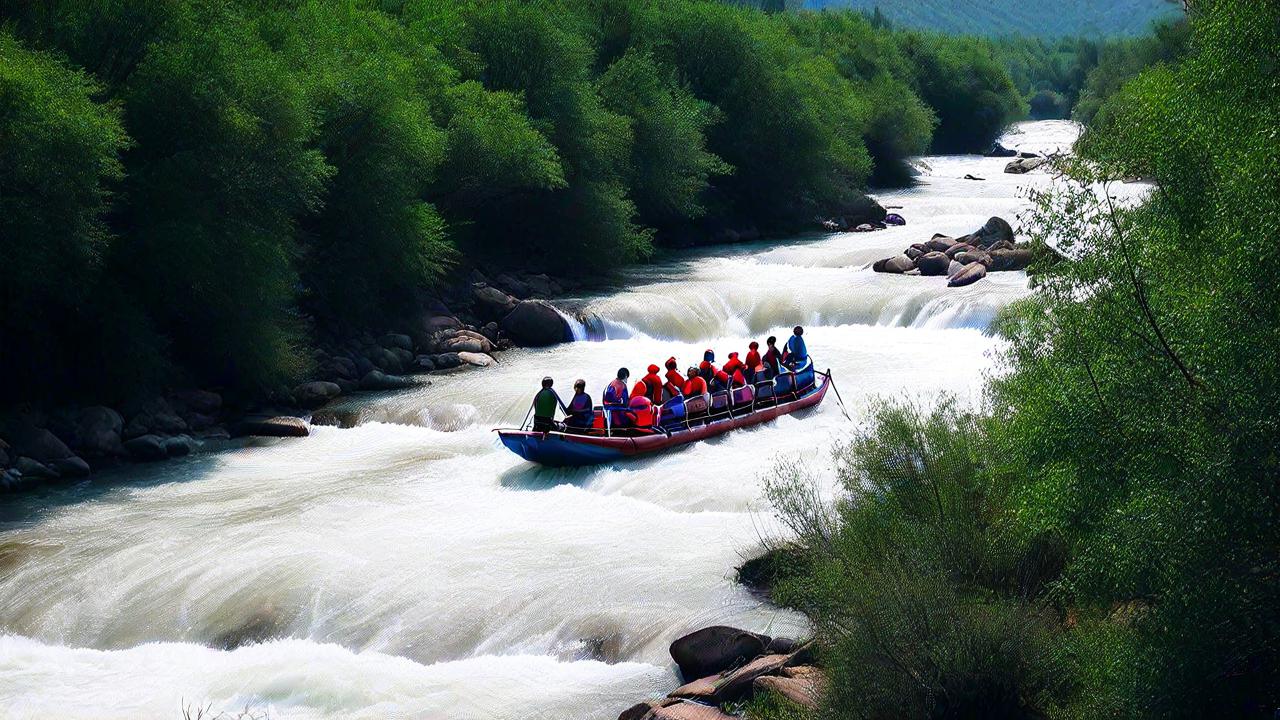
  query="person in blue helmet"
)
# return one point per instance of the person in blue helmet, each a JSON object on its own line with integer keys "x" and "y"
{"x": 796, "y": 353}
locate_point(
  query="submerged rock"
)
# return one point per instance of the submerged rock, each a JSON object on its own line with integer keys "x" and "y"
{"x": 535, "y": 323}
{"x": 894, "y": 265}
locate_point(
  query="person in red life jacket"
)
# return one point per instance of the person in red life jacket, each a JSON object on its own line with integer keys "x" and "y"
{"x": 696, "y": 385}
{"x": 675, "y": 381}
{"x": 772, "y": 358}
{"x": 755, "y": 366}
{"x": 615, "y": 393}
{"x": 720, "y": 381}
{"x": 736, "y": 370}
{"x": 652, "y": 385}
{"x": 642, "y": 413}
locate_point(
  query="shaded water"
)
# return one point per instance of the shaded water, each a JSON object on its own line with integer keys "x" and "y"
{"x": 411, "y": 567}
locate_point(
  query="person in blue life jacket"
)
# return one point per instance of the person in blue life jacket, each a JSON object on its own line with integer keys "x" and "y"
{"x": 544, "y": 407}
{"x": 796, "y": 354}
{"x": 582, "y": 414}
{"x": 616, "y": 393}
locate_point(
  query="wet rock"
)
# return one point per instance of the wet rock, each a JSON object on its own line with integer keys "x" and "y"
{"x": 967, "y": 275}
{"x": 542, "y": 285}
{"x": 213, "y": 434}
{"x": 733, "y": 684}
{"x": 378, "y": 380}
{"x": 4, "y": 455}
{"x": 467, "y": 341}
{"x": 535, "y": 323}
{"x": 1006, "y": 260}
{"x": 341, "y": 367}
{"x": 34, "y": 469}
{"x": 714, "y": 649}
{"x": 801, "y": 691}
{"x": 270, "y": 426}
{"x": 955, "y": 267}
{"x": 958, "y": 248}
{"x": 98, "y": 431}
{"x": 436, "y": 323}
{"x": 512, "y": 286}
{"x": 639, "y": 710}
{"x": 12, "y": 480}
{"x": 977, "y": 256}
{"x": 492, "y": 303}
{"x": 995, "y": 230}
{"x": 446, "y": 361}
{"x": 998, "y": 150}
{"x": 145, "y": 448}
{"x": 36, "y": 443}
{"x": 72, "y": 467}
{"x": 424, "y": 363}
{"x": 179, "y": 446}
{"x": 155, "y": 416}
{"x": 941, "y": 244}
{"x": 363, "y": 366}
{"x": 894, "y": 265}
{"x": 476, "y": 359}
{"x": 391, "y": 341}
{"x": 782, "y": 646}
{"x": 315, "y": 394}
{"x": 933, "y": 264}
{"x": 914, "y": 252}
{"x": 1023, "y": 166}
{"x": 386, "y": 361}
{"x": 687, "y": 711}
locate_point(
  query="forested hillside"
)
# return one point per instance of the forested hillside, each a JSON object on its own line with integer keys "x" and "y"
{"x": 1044, "y": 18}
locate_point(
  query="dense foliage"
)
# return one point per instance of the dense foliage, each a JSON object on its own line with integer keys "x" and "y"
{"x": 1099, "y": 540}
{"x": 195, "y": 189}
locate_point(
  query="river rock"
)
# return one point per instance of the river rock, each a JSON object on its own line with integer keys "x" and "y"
{"x": 71, "y": 467}
{"x": 392, "y": 341}
{"x": 12, "y": 480}
{"x": 98, "y": 431}
{"x": 1005, "y": 260}
{"x": 386, "y": 361}
{"x": 492, "y": 303}
{"x": 941, "y": 243}
{"x": 967, "y": 275}
{"x": 801, "y": 691}
{"x": 179, "y": 446}
{"x": 155, "y": 416}
{"x": 954, "y": 267}
{"x": 894, "y": 265}
{"x": 1000, "y": 245}
{"x": 536, "y": 323}
{"x": 378, "y": 380}
{"x": 467, "y": 341}
{"x": 958, "y": 248}
{"x": 315, "y": 394}
{"x": 446, "y": 361}
{"x": 687, "y": 711}
{"x": 732, "y": 684}
{"x": 341, "y": 366}
{"x": 4, "y": 455}
{"x": 477, "y": 359}
{"x": 424, "y": 363}
{"x": 436, "y": 323}
{"x": 270, "y": 426}
{"x": 36, "y": 443}
{"x": 34, "y": 469}
{"x": 512, "y": 286}
{"x": 1023, "y": 166}
{"x": 998, "y": 150}
{"x": 714, "y": 649}
{"x": 994, "y": 230}
{"x": 145, "y": 448}
{"x": 934, "y": 263}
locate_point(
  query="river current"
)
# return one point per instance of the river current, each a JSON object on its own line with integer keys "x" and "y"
{"x": 411, "y": 567}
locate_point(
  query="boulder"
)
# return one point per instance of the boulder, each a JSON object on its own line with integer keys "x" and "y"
{"x": 998, "y": 150}
{"x": 446, "y": 361}
{"x": 1005, "y": 260}
{"x": 343, "y": 367}
{"x": 733, "y": 684}
{"x": 71, "y": 467}
{"x": 4, "y": 457}
{"x": 958, "y": 248}
{"x": 378, "y": 380}
{"x": 492, "y": 303}
{"x": 179, "y": 446}
{"x": 199, "y": 401}
{"x": 512, "y": 286}
{"x": 954, "y": 267}
{"x": 913, "y": 253}
{"x": 1025, "y": 155}
{"x": 535, "y": 323}
{"x": 894, "y": 265}
{"x": 404, "y": 356}
{"x": 392, "y": 341}
{"x": 36, "y": 443}
{"x": 476, "y": 358}
{"x": 862, "y": 209}
{"x": 155, "y": 416}
{"x": 1000, "y": 245}
{"x": 436, "y": 323}
{"x": 977, "y": 256}
{"x": 932, "y": 264}
{"x": 967, "y": 275}
{"x": 469, "y": 342}
{"x": 995, "y": 230}
{"x": 386, "y": 361}
{"x": 1023, "y": 166}
{"x": 782, "y": 646}
{"x": 687, "y": 711}
{"x": 31, "y": 468}
{"x": 715, "y": 649}
{"x": 541, "y": 285}
{"x": 424, "y": 363}
{"x": 315, "y": 394}
{"x": 98, "y": 431}
{"x": 802, "y": 691}
{"x": 146, "y": 448}
{"x": 941, "y": 244}
{"x": 270, "y": 426}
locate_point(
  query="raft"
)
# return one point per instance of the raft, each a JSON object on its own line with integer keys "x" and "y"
{"x": 600, "y": 446}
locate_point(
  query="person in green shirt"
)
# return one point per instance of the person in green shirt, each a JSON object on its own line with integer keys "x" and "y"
{"x": 544, "y": 407}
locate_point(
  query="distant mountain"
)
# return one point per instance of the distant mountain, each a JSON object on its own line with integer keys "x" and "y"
{"x": 1044, "y": 18}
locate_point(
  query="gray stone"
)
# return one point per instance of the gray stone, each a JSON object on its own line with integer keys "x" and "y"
{"x": 386, "y": 361}
{"x": 11, "y": 480}
{"x": 179, "y": 446}
{"x": 995, "y": 230}
{"x": 477, "y": 359}
{"x": 98, "y": 431}
{"x": 445, "y": 361}
{"x": 1024, "y": 165}
{"x": 934, "y": 263}
{"x": 1004, "y": 260}
{"x": 146, "y": 448}
{"x": 492, "y": 303}
{"x": 315, "y": 394}
{"x": 895, "y": 265}
{"x": 32, "y": 468}
{"x": 155, "y": 416}
{"x": 424, "y": 363}
{"x": 36, "y": 443}
{"x": 536, "y": 323}
{"x": 71, "y": 467}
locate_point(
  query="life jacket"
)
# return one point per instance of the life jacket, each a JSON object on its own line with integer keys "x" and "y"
{"x": 653, "y": 386}
{"x": 615, "y": 393}
{"x": 721, "y": 380}
{"x": 640, "y": 389}
{"x": 739, "y": 379}
{"x": 642, "y": 412}
{"x": 707, "y": 370}
{"x": 733, "y": 364}
{"x": 772, "y": 358}
{"x": 695, "y": 385}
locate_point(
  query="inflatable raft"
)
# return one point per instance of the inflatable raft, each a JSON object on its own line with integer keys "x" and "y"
{"x": 676, "y": 426}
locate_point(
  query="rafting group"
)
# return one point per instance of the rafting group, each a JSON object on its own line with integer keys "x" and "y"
{"x": 662, "y": 402}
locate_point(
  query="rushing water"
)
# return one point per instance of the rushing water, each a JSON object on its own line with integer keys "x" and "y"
{"x": 412, "y": 567}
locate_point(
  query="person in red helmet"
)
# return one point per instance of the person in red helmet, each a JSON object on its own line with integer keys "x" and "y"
{"x": 652, "y": 386}
{"x": 642, "y": 412}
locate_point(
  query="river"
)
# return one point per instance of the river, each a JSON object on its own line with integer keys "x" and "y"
{"x": 410, "y": 567}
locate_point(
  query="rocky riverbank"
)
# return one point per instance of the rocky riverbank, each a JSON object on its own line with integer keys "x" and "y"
{"x": 465, "y": 328}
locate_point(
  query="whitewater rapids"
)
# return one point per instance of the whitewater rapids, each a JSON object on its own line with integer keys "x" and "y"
{"x": 411, "y": 567}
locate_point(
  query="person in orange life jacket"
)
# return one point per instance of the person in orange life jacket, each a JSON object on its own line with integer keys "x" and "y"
{"x": 580, "y": 411}
{"x": 544, "y": 407}
{"x": 797, "y": 354}
{"x": 653, "y": 386}
{"x": 755, "y": 366}
{"x": 615, "y": 393}
{"x": 696, "y": 385}
{"x": 720, "y": 381}
{"x": 735, "y": 368}
{"x": 642, "y": 412}
{"x": 675, "y": 381}
{"x": 772, "y": 358}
